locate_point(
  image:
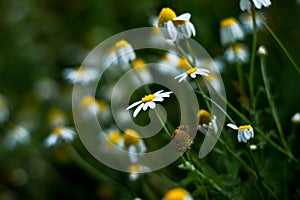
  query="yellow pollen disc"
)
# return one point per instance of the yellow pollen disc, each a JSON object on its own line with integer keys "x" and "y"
{"x": 246, "y": 127}
{"x": 204, "y": 116}
{"x": 139, "y": 63}
{"x": 87, "y": 101}
{"x": 131, "y": 137}
{"x": 121, "y": 44}
{"x": 114, "y": 137}
{"x": 237, "y": 47}
{"x": 135, "y": 168}
{"x": 183, "y": 63}
{"x": 228, "y": 22}
{"x": 176, "y": 194}
{"x": 165, "y": 15}
{"x": 58, "y": 131}
{"x": 192, "y": 70}
{"x": 148, "y": 98}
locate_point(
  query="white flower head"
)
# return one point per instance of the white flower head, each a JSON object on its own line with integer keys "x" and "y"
{"x": 124, "y": 52}
{"x": 81, "y": 75}
{"x": 230, "y": 31}
{"x": 136, "y": 170}
{"x": 192, "y": 72}
{"x": 93, "y": 107}
{"x": 134, "y": 144}
{"x": 296, "y": 118}
{"x": 66, "y": 134}
{"x": 244, "y": 132}
{"x": 245, "y": 4}
{"x": 247, "y": 23}
{"x": 149, "y": 101}
{"x": 237, "y": 53}
{"x": 18, "y": 135}
{"x": 176, "y": 27}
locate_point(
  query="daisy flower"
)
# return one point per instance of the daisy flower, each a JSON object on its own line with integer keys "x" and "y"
{"x": 244, "y": 132}
{"x": 177, "y": 194}
{"x": 60, "y": 133}
{"x": 142, "y": 70}
{"x": 245, "y": 4}
{"x": 247, "y": 23}
{"x": 192, "y": 72}
{"x": 136, "y": 170}
{"x": 81, "y": 75}
{"x": 18, "y": 135}
{"x": 173, "y": 24}
{"x": 134, "y": 144}
{"x": 230, "y": 31}
{"x": 237, "y": 53}
{"x": 207, "y": 124}
{"x": 124, "y": 52}
{"x": 148, "y": 101}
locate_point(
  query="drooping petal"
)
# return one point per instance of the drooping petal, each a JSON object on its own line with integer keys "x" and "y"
{"x": 233, "y": 126}
{"x": 151, "y": 104}
{"x": 133, "y": 105}
{"x": 137, "y": 110}
{"x": 183, "y": 17}
{"x": 172, "y": 30}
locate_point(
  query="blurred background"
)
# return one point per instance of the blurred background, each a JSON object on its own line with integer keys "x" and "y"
{"x": 39, "y": 39}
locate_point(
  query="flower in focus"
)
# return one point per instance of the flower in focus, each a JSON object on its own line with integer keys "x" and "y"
{"x": 177, "y": 194}
{"x": 149, "y": 101}
{"x": 4, "y": 112}
{"x": 60, "y": 133}
{"x": 247, "y": 23}
{"x": 245, "y": 4}
{"x": 56, "y": 118}
{"x": 244, "y": 132}
{"x": 296, "y": 118}
{"x": 134, "y": 143}
{"x": 124, "y": 52}
{"x": 192, "y": 72}
{"x": 237, "y": 53}
{"x": 136, "y": 170}
{"x": 17, "y": 135}
{"x": 81, "y": 75}
{"x": 207, "y": 124}
{"x": 230, "y": 31}
{"x": 167, "y": 19}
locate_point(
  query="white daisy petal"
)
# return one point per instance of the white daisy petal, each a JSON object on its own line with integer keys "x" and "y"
{"x": 183, "y": 17}
{"x": 133, "y": 105}
{"x": 233, "y": 126}
{"x": 151, "y": 104}
{"x": 137, "y": 110}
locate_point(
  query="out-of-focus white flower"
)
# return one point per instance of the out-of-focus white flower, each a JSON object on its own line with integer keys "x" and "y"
{"x": 262, "y": 51}
{"x": 244, "y": 132}
{"x": 207, "y": 124}
{"x": 237, "y": 53}
{"x": 56, "y": 118}
{"x": 81, "y": 75}
{"x": 134, "y": 144}
{"x": 192, "y": 72}
{"x": 169, "y": 60}
{"x": 4, "y": 112}
{"x": 245, "y": 4}
{"x": 177, "y": 194}
{"x": 149, "y": 101}
{"x": 142, "y": 71}
{"x": 46, "y": 88}
{"x": 230, "y": 31}
{"x": 66, "y": 134}
{"x": 136, "y": 170}
{"x": 17, "y": 135}
{"x": 124, "y": 52}
{"x": 175, "y": 27}
{"x": 247, "y": 23}
{"x": 296, "y": 118}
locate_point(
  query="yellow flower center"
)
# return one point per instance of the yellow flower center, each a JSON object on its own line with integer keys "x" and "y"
{"x": 228, "y": 22}
{"x": 165, "y": 15}
{"x": 121, "y": 44}
{"x": 204, "y": 116}
{"x": 237, "y": 47}
{"x": 176, "y": 194}
{"x": 114, "y": 137}
{"x": 148, "y": 98}
{"x": 245, "y": 127}
{"x": 183, "y": 63}
{"x": 135, "y": 168}
{"x": 87, "y": 101}
{"x": 190, "y": 71}
{"x": 131, "y": 137}
{"x": 139, "y": 64}
{"x": 58, "y": 131}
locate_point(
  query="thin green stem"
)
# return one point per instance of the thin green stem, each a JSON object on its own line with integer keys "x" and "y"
{"x": 191, "y": 51}
{"x": 271, "y": 101}
{"x": 253, "y": 54}
{"x": 203, "y": 94}
{"x": 280, "y": 44}
{"x": 162, "y": 123}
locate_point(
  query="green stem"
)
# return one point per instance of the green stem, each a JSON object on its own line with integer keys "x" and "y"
{"x": 191, "y": 51}
{"x": 253, "y": 54}
{"x": 271, "y": 101}
{"x": 280, "y": 44}
{"x": 162, "y": 123}
{"x": 203, "y": 94}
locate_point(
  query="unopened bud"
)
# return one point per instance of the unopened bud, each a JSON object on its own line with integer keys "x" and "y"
{"x": 262, "y": 51}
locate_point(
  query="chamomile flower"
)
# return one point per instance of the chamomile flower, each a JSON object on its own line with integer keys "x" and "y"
{"x": 192, "y": 72}
{"x": 134, "y": 143}
{"x": 4, "y": 112}
{"x": 177, "y": 194}
{"x": 124, "y": 52}
{"x": 66, "y": 134}
{"x": 142, "y": 71}
{"x": 245, "y": 4}
{"x": 207, "y": 124}
{"x": 247, "y": 23}
{"x": 148, "y": 101}
{"x": 296, "y": 118}
{"x": 90, "y": 106}
{"x": 230, "y": 31}
{"x": 237, "y": 53}
{"x": 176, "y": 27}
{"x": 136, "y": 170}
{"x": 81, "y": 75}
{"x": 17, "y": 135}
{"x": 169, "y": 60}
{"x": 244, "y": 132}
{"x": 115, "y": 138}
